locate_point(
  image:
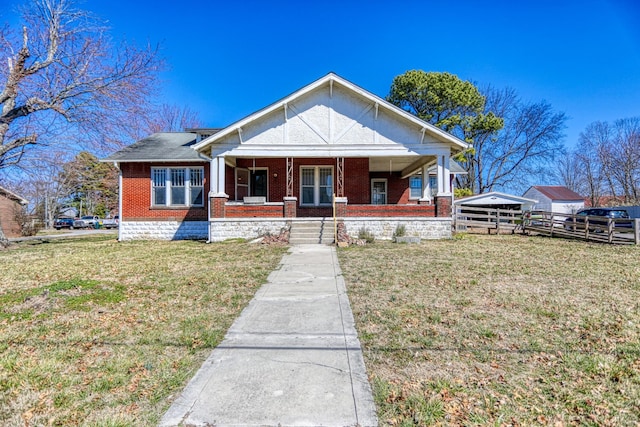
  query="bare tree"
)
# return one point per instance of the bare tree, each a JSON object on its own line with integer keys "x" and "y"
{"x": 63, "y": 82}
{"x": 589, "y": 157}
{"x": 620, "y": 159}
{"x": 570, "y": 173}
{"x": 526, "y": 144}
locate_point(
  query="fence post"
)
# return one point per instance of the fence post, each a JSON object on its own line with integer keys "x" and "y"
{"x": 498, "y": 221}
{"x": 636, "y": 231}
{"x": 610, "y": 229}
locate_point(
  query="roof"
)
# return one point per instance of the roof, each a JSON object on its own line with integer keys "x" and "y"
{"x": 13, "y": 196}
{"x": 494, "y": 198}
{"x": 558, "y": 192}
{"x": 454, "y": 168}
{"x": 331, "y": 79}
{"x": 160, "y": 147}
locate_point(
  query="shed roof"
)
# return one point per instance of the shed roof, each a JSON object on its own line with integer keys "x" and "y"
{"x": 558, "y": 192}
{"x": 160, "y": 147}
{"x": 494, "y": 198}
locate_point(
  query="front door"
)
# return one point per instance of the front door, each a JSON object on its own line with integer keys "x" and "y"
{"x": 378, "y": 191}
{"x": 258, "y": 185}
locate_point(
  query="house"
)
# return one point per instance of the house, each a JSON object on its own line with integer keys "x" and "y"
{"x": 10, "y": 203}
{"x": 330, "y": 148}
{"x": 555, "y": 198}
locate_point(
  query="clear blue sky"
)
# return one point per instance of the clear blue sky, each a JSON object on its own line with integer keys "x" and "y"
{"x": 229, "y": 58}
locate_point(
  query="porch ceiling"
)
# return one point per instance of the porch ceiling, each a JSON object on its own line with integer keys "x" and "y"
{"x": 397, "y": 164}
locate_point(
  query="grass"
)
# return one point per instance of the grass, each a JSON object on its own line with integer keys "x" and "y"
{"x": 499, "y": 330}
{"x": 99, "y": 333}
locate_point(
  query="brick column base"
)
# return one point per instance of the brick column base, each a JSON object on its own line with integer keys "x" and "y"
{"x": 290, "y": 204}
{"x": 443, "y": 206}
{"x": 341, "y": 207}
{"x": 218, "y": 204}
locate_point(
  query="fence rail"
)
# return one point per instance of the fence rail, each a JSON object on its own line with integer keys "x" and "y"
{"x": 590, "y": 228}
{"x": 500, "y": 220}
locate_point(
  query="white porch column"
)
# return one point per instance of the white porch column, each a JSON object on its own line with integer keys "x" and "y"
{"x": 444, "y": 176}
{"x": 426, "y": 185}
{"x": 218, "y": 176}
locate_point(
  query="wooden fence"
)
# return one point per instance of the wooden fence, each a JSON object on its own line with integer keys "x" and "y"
{"x": 469, "y": 218}
{"x": 590, "y": 228}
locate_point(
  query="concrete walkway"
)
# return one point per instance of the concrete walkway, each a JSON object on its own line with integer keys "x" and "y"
{"x": 292, "y": 358}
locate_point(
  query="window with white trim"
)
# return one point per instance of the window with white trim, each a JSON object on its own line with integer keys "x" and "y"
{"x": 415, "y": 187}
{"x": 316, "y": 185}
{"x": 177, "y": 187}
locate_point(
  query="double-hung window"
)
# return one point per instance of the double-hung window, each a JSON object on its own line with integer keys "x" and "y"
{"x": 177, "y": 187}
{"x": 316, "y": 185}
{"x": 415, "y": 187}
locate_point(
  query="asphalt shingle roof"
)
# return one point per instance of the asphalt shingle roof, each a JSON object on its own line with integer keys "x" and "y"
{"x": 161, "y": 146}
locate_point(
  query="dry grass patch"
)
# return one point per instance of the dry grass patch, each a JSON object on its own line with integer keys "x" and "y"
{"x": 499, "y": 330}
{"x": 100, "y": 333}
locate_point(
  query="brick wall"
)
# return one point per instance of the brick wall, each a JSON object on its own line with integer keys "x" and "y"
{"x": 136, "y": 195}
{"x": 254, "y": 211}
{"x": 10, "y": 226}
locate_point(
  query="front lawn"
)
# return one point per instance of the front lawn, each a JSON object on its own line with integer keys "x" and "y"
{"x": 499, "y": 330}
{"x": 100, "y": 333}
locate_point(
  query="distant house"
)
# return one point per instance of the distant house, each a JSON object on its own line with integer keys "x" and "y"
{"x": 9, "y": 204}
{"x": 283, "y": 165}
{"x": 555, "y": 198}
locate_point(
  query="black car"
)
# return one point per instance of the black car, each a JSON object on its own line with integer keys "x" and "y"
{"x": 620, "y": 216}
{"x": 64, "y": 223}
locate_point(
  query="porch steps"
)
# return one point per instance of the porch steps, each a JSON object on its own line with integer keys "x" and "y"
{"x": 309, "y": 232}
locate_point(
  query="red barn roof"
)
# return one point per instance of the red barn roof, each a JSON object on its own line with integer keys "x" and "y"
{"x": 558, "y": 192}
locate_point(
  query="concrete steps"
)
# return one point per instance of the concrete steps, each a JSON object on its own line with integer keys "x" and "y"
{"x": 309, "y": 232}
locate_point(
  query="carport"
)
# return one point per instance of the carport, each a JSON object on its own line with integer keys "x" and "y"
{"x": 491, "y": 211}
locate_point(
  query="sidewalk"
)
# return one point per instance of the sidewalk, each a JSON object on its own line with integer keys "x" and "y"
{"x": 292, "y": 358}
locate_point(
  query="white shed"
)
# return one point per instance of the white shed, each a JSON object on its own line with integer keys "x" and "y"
{"x": 555, "y": 198}
{"x": 496, "y": 200}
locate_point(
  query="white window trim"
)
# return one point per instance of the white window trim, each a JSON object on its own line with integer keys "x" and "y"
{"x": 386, "y": 189}
{"x": 316, "y": 184}
{"x": 167, "y": 186}
{"x": 421, "y": 187}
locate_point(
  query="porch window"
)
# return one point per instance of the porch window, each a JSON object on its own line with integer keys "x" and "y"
{"x": 415, "y": 186}
{"x": 177, "y": 187}
{"x": 316, "y": 185}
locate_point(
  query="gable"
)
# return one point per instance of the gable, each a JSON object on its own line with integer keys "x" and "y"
{"x": 330, "y": 117}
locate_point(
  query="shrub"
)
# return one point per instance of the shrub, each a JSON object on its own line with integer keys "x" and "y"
{"x": 366, "y": 235}
{"x": 400, "y": 231}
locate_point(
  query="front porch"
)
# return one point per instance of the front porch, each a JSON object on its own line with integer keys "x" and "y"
{"x": 330, "y": 187}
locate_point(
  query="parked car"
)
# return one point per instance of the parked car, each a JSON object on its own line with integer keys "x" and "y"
{"x": 61, "y": 223}
{"x": 599, "y": 220}
{"x": 87, "y": 221}
{"x": 111, "y": 222}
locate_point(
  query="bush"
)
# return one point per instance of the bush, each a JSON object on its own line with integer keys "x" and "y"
{"x": 462, "y": 192}
{"x": 400, "y": 231}
{"x": 366, "y": 235}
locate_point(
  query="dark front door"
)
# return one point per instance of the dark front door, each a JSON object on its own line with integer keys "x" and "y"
{"x": 259, "y": 182}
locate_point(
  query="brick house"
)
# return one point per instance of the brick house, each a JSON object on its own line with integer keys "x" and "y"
{"x": 9, "y": 204}
{"x": 329, "y": 149}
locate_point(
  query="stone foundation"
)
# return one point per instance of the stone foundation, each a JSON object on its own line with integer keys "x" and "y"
{"x": 249, "y": 228}
{"x": 383, "y": 228}
{"x": 163, "y": 230}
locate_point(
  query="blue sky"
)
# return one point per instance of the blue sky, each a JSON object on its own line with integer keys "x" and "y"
{"x": 228, "y": 59}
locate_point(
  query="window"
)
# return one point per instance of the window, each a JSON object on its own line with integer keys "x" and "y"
{"x": 415, "y": 187}
{"x": 316, "y": 185}
{"x": 177, "y": 187}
